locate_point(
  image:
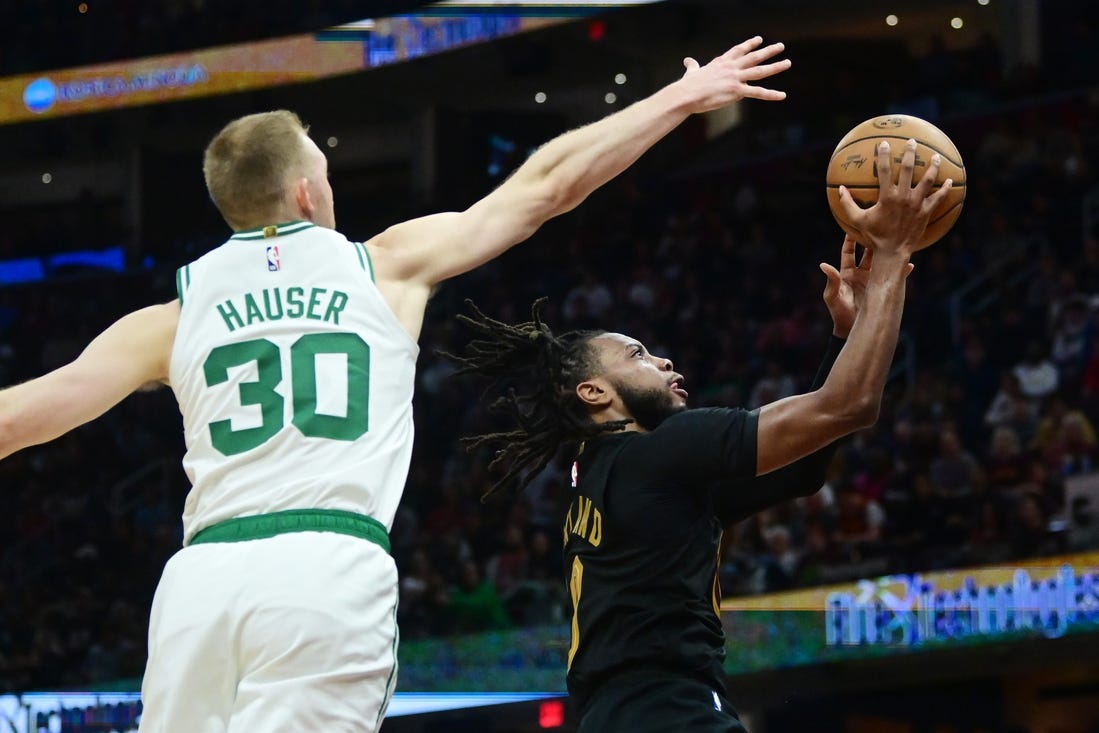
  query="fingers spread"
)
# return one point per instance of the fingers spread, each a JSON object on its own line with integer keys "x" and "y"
{"x": 760, "y": 72}
{"x": 832, "y": 286}
{"x": 756, "y": 57}
{"x": 885, "y": 167}
{"x": 742, "y": 48}
{"x": 932, "y": 202}
{"x": 924, "y": 186}
{"x": 908, "y": 165}
{"x": 767, "y": 95}
{"x": 847, "y": 253}
{"x": 852, "y": 212}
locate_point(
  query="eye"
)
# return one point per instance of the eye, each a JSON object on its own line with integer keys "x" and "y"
{"x": 639, "y": 352}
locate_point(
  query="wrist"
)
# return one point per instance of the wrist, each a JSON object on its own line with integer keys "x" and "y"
{"x": 676, "y": 98}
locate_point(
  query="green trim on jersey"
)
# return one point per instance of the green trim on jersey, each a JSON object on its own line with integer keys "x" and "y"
{"x": 271, "y": 230}
{"x": 369, "y": 262}
{"x": 364, "y": 259}
{"x": 183, "y": 281}
{"x": 262, "y": 526}
{"x": 359, "y": 254}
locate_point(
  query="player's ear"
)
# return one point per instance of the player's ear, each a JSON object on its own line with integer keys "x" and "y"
{"x": 302, "y": 198}
{"x": 595, "y": 393}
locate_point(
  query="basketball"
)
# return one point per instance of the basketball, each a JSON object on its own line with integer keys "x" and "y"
{"x": 853, "y": 165}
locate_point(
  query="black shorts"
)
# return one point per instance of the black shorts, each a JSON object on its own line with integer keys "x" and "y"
{"x": 657, "y": 702}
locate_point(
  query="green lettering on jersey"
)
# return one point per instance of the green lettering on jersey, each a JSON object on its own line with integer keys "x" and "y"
{"x": 252, "y": 309}
{"x": 295, "y": 305}
{"x": 314, "y": 303}
{"x": 272, "y": 304}
{"x": 229, "y": 313}
{"x": 335, "y": 305}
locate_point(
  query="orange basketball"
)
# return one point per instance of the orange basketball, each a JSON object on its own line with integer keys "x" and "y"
{"x": 854, "y": 165}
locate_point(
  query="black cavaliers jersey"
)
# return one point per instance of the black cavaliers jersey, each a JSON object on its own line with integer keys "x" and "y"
{"x": 642, "y": 537}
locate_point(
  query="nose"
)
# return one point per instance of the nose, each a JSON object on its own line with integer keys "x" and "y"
{"x": 667, "y": 365}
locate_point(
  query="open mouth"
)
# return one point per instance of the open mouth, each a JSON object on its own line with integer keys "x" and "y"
{"x": 675, "y": 387}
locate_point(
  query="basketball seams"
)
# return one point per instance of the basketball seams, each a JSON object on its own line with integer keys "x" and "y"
{"x": 868, "y": 186}
{"x": 943, "y": 215}
{"x": 844, "y": 145}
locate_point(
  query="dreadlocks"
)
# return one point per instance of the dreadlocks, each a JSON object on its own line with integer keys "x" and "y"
{"x": 546, "y": 416}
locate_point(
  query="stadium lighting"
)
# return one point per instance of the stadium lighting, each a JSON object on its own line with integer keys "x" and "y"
{"x": 333, "y": 141}
{"x": 956, "y": 23}
{"x": 611, "y": 98}
{"x": 540, "y": 97}
{"x": 47, "y": 177}
{"x": 891, "y": 20}
{"x": 619, "y": 79}
{"x": 982, "y": 2}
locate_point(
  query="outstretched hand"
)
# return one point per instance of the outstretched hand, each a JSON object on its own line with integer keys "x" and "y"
{"x": 846, "y": 288}
{"x": 897, "y": 221}
{"x": 725, "y": 79}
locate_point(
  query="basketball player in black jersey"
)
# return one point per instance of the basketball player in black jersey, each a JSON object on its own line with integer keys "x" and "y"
{"x": 655, "y": 483}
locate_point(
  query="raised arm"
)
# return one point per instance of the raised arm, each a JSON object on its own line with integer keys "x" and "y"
{"x": 131, "y": 353}
{"x": 843, "y": 294}
{"x": 563, "y": 172}
{"x": 851, "y": 395}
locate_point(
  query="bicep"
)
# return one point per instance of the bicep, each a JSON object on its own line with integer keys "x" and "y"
{"x": 437, "y": 247}
{"x": 795, "y": 427}
{"x": 131, "y": 353}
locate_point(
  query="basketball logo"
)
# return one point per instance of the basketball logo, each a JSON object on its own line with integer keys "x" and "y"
{"x": 887, "y": 123}
{"x": 273, "y": 264}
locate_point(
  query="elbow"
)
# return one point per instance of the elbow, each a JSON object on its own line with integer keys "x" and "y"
{"x": 8, "y": 438}
{"x": 560, "y": 197}
{"x": 855, "y": 412}
{"x": 865, "y": 411}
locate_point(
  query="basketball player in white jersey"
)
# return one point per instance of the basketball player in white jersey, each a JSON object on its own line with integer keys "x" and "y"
{"x": 291, "y": 351}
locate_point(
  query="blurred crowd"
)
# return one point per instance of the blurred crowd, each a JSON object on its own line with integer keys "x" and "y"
{"x": 988, "y": 420}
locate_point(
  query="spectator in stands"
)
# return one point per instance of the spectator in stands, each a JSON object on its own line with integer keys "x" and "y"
{"x": 1012, "y": 409}
{"x": 859, "y": 521}
{"x": 474, "y": 604}
{"x": 1029, "y": 534}
{"x": 1072, "y": 449}
{"x": 956, "y": 473}
{"x": 1037, "y": 375}
{"x": 1070, "y": 341}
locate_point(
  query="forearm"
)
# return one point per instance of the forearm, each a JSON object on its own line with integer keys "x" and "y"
{"x": 580, "y": 161}
{"x": 831, "y": 353}
{"x": 855, "y": 383}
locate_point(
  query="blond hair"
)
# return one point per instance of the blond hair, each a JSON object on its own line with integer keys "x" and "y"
{"x": 250, "y": 163}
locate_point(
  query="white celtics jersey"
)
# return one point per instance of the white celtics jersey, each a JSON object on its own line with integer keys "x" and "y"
{"x": 294, "y": 379}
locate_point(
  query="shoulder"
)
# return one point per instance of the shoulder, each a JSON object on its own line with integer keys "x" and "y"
{"x": 706, "y": 419}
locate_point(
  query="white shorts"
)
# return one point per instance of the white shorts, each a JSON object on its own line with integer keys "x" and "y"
{"x": 297, "y": 632}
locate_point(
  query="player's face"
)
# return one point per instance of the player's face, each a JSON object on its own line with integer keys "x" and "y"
{"x": 648, "y": 387}
{"x": 320, "y": 190}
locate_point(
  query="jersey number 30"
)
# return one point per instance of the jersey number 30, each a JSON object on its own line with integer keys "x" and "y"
{"x": 303, "y": 381}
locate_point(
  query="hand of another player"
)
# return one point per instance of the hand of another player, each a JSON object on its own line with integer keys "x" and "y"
{"x": 725, "y": 79}
{"x": 846, "y": 287}
{"x": 895, "y": 223}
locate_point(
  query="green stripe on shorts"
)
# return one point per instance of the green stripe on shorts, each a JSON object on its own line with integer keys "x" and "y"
{"x": 262, "y": 526}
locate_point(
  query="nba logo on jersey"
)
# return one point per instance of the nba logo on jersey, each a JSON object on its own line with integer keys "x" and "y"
{"x": 575, "y": 473}
{"x": 273, "y": 264}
